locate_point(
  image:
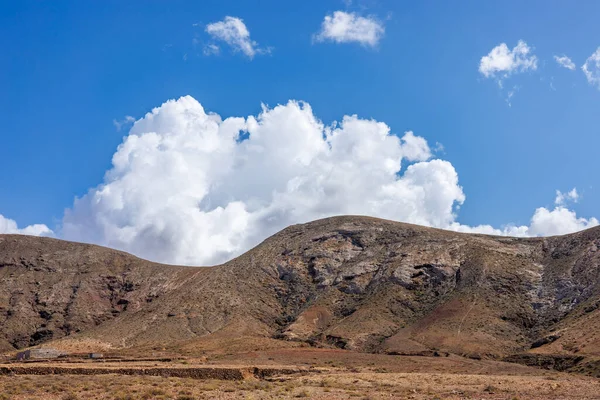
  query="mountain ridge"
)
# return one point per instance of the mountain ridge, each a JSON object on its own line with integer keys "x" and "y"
{"x": 350, "y": 282}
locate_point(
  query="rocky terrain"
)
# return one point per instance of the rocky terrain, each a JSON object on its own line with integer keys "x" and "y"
{"x": 352, "y": 283}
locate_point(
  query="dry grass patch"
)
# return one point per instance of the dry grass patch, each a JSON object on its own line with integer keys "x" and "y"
{"x": 333, "y": 385}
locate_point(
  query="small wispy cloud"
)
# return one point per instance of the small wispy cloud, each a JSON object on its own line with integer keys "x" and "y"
{"x": 234, "y": 32}
{"x": 211, "y": 49}
{"x": 591, "y": 69}
{"x": 345, "y": 27}
{"x": 565, "y": 62}
{"x": 501, "y": 62}
{"x": 563, "y": 199}
{"x": 121, "y": 123}
{"x": 510, "y": 95}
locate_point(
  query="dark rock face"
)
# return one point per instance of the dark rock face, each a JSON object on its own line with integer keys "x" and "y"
{"x": 544, "y": 340}
{"x": 348, "y": 282}
{"x": 556, "y": 362}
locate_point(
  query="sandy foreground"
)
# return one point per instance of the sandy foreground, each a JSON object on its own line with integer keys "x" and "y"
{"x": 335, "y": 385}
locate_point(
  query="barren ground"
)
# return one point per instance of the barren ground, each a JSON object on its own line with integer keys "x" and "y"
{"x": 308, "y": 373}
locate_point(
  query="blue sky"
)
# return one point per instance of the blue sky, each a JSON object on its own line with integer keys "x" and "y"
{"x": 69, "y": 69}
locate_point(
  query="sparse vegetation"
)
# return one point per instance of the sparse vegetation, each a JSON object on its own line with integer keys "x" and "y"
{"x": 423, "y": 382}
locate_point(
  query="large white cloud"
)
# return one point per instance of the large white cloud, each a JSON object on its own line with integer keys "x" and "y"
{"x": 502, "y": 62}
{"x": 190, "y": 187}
{"x": 187, "y": 187}
{"x": 591, "y": 69}
{"x": 344, "y": 27}
{"x": 10, "y": 226}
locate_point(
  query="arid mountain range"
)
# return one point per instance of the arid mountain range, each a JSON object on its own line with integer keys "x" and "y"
{"x": 355, "y": 283}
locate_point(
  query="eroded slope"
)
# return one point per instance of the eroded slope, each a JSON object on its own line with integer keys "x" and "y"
{"x": 350, "y": 282}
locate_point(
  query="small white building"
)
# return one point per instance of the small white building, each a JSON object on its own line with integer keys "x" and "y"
{"x": 37, "y": 354}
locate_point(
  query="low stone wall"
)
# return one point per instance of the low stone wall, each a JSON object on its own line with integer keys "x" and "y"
{"x": 195, "y": 373}
{"x": 221, "y": 373}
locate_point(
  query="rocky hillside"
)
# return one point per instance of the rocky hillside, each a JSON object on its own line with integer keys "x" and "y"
{"x": 350, "y": 282}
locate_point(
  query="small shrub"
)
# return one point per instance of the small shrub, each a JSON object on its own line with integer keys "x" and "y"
{"x": 303, "y": 393}
{"x": 490, "y": 389}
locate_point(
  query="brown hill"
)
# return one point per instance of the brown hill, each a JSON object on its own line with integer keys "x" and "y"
{"x": 356, "y": 283}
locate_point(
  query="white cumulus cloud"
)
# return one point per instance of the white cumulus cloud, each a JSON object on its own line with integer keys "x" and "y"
{"x": 591, "y": 69}
{"x": 344, "y": 27}
{"x": 190, "y": 187}
{"x": 502, "y": 62}
{"x": 544, "y": 222}
{"x": 557, "y": 222}
{"x": 8, "y": 225}
{"x": 234, "y": 32}
{"x": 565, "y": 62}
